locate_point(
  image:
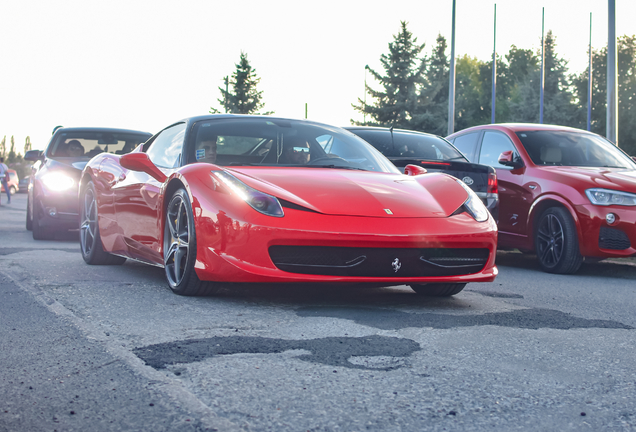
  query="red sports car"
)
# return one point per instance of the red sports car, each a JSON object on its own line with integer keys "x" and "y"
{"x": 223, "y": 198}
{"x": 564, "y": 193}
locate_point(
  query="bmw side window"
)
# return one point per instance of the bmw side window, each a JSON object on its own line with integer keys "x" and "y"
{"x": 165, "y": 150}
{"x": 466, "y": 144}
{"x": 493, "y": 144}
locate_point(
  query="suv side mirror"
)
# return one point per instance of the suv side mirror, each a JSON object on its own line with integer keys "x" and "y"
{"x": 141, "y": 162}
{"x": 507, "y": 158}
{"x": 34, "y": 155}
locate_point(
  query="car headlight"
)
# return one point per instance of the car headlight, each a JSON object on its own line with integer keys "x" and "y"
{"x": 606, "y": 197}
{"x": 473, "y": 205}
{"x": 259, "y": 201}
{"x": 57, "y": 181}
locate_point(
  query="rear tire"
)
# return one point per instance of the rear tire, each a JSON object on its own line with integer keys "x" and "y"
{"x": 438, "y": 289}
{"x": 90, "y": 241}
{"x": 180, "y": 249}
{"x": 12, "y": 190}
{"x": 40, "y": 232}
{"x": 557, "y": 243}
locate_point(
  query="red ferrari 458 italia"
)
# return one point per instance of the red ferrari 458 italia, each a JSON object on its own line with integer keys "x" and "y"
{"x": 565, "y": 193}
{"x": 223, "y": 198}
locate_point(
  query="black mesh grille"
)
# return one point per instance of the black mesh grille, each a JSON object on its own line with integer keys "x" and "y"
{"x": 378, "y": 262}
{"x": 611, "y": 238}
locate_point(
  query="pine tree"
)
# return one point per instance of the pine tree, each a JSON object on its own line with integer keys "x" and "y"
{"x": 27, "y": 144}
{"x": 11, "y": 156}
{"x": 397, "y": 104}
{"x": 3, "y": 146}
{"x": 243, "y": 98}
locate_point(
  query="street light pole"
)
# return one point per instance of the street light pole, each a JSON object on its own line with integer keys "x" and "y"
{"x": 494, "y": 69}
{"x": 451, "y": 80}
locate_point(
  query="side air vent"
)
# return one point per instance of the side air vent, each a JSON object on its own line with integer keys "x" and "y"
{"x": 612, "y": 238}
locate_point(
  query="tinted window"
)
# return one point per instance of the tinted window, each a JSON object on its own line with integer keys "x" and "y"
{"x": 466, "y": 144}
{"x": 410, "y": 145}
{"x": 493, "y": 144}
{"x": 270, "y": 141}
{"x": 572, "y": 149}
{"x": 165, "y": 150}
{"x": 86, "y": 144}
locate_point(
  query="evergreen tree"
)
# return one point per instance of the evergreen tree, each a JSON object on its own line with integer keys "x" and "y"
{"x": 431, "y": 114}
{"x": 626, "y": 49}
{"x": 397, "y": 104}
{"x": 469, "y": 110}
{"x": 27, "y": 144}
{"x": 3, "y": 146}
{"x": 11, "y": 156}
{"x": 243, "y": 98}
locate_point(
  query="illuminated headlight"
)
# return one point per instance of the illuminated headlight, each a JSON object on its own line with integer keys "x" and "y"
{"x": 258, "y": 200}
{"x": 57, "y": 181}
{"x": 473, "y": 205}
{"x": 606, "y": 197}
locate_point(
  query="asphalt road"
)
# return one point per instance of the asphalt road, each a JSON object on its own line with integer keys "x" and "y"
{"x": 104, "y": 348}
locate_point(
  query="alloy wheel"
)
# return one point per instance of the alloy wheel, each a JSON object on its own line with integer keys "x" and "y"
{"x": 176, "y": 241}
{"x": 89, "y": 221}
{"x": 551, "y": 240}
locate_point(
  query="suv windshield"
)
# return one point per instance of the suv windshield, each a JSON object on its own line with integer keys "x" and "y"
{"x": 270, "y": 141}
{"x": 86, "y": 144}
{"x": 564, "y": 148}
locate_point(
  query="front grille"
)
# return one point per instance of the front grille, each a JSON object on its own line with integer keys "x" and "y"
{"x": 378, "y": 262}
{"x": 612, "y": 238}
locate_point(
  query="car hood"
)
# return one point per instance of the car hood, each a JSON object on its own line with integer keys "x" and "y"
{"x": 67, "y": 164}
{"x": 623, "y": 179}
{"x": 358, "y": 193}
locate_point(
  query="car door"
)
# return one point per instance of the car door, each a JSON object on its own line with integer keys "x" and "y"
{"x": 514, "y": 200}
{"x": 138, "y": 196}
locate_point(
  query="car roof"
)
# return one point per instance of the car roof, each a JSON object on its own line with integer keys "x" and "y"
{"x": 248, "y": 116}
{"x": 98, "y": 129}
{"x": 379, "y": 128}
{"x": 518, "y": 127}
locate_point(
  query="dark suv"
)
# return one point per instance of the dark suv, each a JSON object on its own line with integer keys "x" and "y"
{"x": 52, "y": 203}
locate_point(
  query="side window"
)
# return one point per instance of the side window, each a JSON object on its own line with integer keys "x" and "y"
{"x": 493, "y": 144}
{"x": 165, "y": 150}
{"x": 466, "y": 144}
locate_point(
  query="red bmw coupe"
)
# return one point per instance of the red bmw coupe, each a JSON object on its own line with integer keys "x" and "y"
{"x": 564, "y": 193}
{"x": 224, "y": 198}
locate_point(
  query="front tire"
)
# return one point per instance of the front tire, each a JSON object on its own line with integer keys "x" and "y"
{"x": 29, "y": 219}
{"x": 40, "y": 232}
{"x": 90, "y": 241}
{"x": 557, "y": 243}
{"x": 180, "y": 249}
{"x": 12, "y": 190}
{"x": 438, "y": 289}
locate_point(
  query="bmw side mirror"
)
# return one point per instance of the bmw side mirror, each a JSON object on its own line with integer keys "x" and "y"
{"x": 141, "y": 162}
{"x": 34, "y": 155}
{"x": 507, "y": 158}
{"x": 413, "y": 170}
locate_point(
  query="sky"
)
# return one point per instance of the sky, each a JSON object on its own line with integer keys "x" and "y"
{"x": 144, "y": 64}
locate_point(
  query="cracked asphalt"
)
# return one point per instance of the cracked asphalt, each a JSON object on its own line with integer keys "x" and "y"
{"x": 105, "y": 348}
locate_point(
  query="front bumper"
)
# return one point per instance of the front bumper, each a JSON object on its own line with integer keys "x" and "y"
{"x": 57, "y": 209}
{"x": 598, "y": 238}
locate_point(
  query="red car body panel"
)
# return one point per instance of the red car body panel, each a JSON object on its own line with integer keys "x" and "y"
{"x": 525, "y": 192}
{"x": 341, "y": 208}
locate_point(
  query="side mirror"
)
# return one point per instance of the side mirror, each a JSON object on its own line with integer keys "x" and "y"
{"x": 507, "y": 159}
{"x": 141, "y": 162}
{"x": 413, "y": 170}
{"x": 34, "y": 155}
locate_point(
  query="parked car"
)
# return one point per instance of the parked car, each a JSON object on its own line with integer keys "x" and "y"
{"x": 435, "y": 154}
{"x": 52, "y": 203}
{"x": 224, "y": 198}
{"x": 12, "y": 182}
{"x": 565, "y": 193}
{"x": 23, "y": 184}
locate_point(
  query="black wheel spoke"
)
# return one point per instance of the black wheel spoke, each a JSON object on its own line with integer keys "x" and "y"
{"x": 176, "y": 240}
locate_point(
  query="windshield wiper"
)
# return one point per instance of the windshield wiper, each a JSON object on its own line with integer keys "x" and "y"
{"x": 335, "y": 167}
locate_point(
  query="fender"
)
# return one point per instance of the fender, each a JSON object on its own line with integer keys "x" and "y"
{"x": 538, "y": 206}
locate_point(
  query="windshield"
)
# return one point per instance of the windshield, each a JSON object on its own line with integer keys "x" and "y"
{"x": 269, "y": 142}
{"x": 86, "y": 144}
{"x": 410, "y": 145}
{"x": 564, "y": 148}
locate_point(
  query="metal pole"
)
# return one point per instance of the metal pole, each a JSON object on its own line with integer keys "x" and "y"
{"x": 226, "y": 92}
{"x": 542, "y": 78}
{"x": 365, "y": 93}
{"x": 612, "y": 81}
{"x": 305, "y": 110}
{"x": 589, "y": 83}
{"x": 451, "y": 80}
{"x": 494, "y": 68}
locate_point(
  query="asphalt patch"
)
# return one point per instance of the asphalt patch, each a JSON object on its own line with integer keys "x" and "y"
{"x": 387, "y": 319}
{"x": 332, "y": 351}
{"x": 11, "y": 251}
